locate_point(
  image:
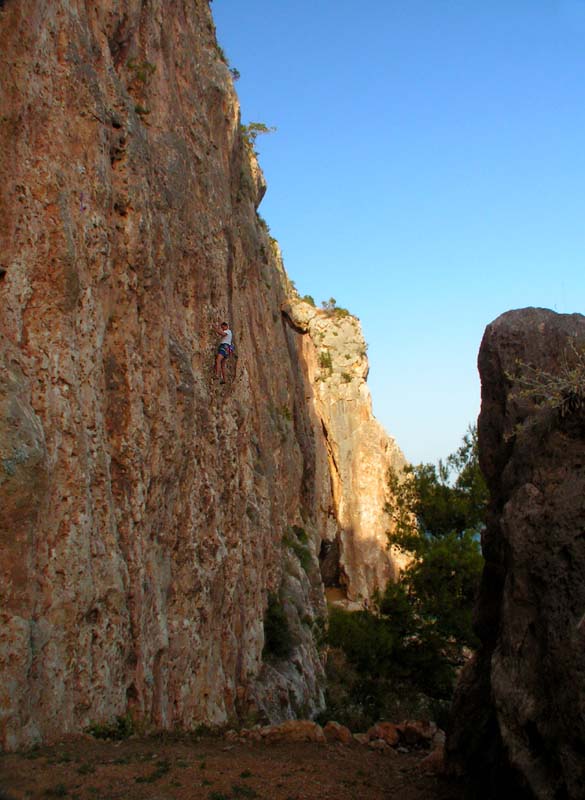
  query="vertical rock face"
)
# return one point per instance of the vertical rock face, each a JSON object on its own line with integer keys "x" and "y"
{"x": 359, "y": 449}
{"x": 147, "y": 513}
{"x": 144, "y": 508}
{"x": 519, "y": 713}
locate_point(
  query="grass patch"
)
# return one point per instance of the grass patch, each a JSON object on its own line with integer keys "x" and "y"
{"x": 162, "y": 768}
{"x": 60, "y": 790}
{"x": 243, "y": 791}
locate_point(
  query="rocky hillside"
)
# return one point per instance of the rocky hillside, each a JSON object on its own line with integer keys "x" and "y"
{"x": 519, "y": 726}
{"x": 360, "y": 452}
{"x": 159, "y": 531}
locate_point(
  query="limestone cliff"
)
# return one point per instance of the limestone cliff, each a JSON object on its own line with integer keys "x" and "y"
{"x": 147, "y": 513}
{"x": 518, "y": 725}
{"x": 360, "y": 451}
{"x": 145, "y": 508}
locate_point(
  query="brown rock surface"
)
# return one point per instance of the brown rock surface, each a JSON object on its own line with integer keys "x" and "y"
{"x": 335, "y": 732}
{"x": 519, "y": 722}
{"x": 143, "y": 506}
{"x": 360, "y": 451}
{"x": 294, "y": 730}
{"x": 386, "y": 731}
{"x": 417, "y": 732}
{"x": 434, "y": 762}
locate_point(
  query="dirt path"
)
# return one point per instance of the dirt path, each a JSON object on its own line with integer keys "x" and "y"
{"x": 212, "y": 769}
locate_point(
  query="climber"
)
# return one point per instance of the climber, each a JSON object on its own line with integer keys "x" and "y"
{"x": 224, "y": 350}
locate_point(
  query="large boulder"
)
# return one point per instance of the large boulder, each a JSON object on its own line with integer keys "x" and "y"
{"x": 519, "y": 712}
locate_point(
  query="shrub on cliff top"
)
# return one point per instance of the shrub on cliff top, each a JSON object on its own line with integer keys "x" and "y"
{"x": 563, "y": 390}
{"x": 252, "y": 131}
{"x": 333, "y": 310}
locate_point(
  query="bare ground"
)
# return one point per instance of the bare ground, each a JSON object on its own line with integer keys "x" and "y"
{"x": 208, "y": 768}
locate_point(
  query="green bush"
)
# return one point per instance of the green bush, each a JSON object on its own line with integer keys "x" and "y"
{"x": 120, "y": 728}
{"x": 325, "y": 360}
{"x": 308, "y": 299}
{"x": 221, "y": 54}
{"x": 300, "y": 533}
{"x": 278, "y": 641}
{"x": 296, "y": 539}
{"x": 365, "y": 639}
{"x": 141, "y": 70}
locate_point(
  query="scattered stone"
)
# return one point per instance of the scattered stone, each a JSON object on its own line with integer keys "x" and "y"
{"x": 361, "y": 738}
{"x": 438, "y": 739}
{"x": 417, "y": 733}
{"x": 294, "y": 730}
{"x": 377, "y": 744}
{"x": 386, "y": 731}
{"x": 335, "y": 732}
{"x": 434, "y": 762}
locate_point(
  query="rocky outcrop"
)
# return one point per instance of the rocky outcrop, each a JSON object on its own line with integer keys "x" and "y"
{"x": 355, "y": 551}
{"x": 519, "y": 725}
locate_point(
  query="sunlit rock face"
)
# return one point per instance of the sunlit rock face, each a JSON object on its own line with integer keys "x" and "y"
{"x": 518, "y": 723}
{"x": 145, "y": 509}
{"x": 359, "y": 449}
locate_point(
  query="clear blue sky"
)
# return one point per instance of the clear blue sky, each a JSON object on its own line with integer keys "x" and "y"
{"x": 428, "y": 172}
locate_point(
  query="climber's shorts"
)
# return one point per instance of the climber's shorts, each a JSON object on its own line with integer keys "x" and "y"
{"x": 223, "y": 350}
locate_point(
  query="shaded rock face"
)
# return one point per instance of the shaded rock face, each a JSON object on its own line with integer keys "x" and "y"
{"x": 145, "y": 510}
{"x": 355, "y": 552}
{"x": 519, "y": 709}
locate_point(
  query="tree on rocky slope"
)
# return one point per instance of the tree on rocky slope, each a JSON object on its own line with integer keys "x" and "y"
{"x": 438, "y": 512}
{"x": 407, "y": 647}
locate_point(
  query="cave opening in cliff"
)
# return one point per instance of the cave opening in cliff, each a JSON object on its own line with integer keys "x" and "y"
{"x": 332, "y": 572}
